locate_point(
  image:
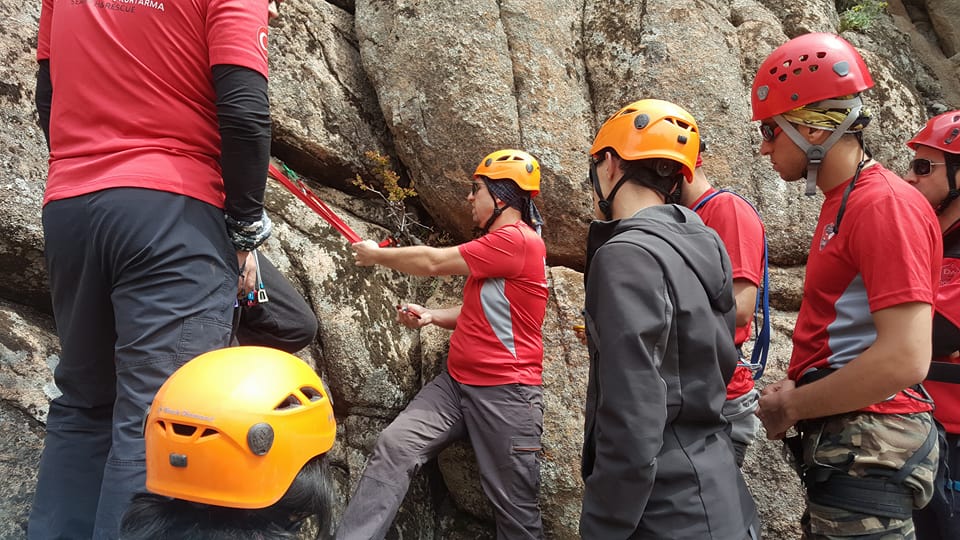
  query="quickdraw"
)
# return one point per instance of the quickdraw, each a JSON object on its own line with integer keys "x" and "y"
{"x": 302, "y": 192}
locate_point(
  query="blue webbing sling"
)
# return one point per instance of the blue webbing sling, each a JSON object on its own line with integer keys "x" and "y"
{"x": 761, "y": 338}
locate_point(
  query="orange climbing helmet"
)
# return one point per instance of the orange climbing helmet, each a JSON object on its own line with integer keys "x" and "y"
{"x": 515, "y": 165}
{"x": 650, "y": 129}
{"x": 807, "y": 69}
{"x": 234, "y": 426}
{"x": 941, "y": 132}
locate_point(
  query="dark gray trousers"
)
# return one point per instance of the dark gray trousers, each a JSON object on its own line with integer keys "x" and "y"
{"x": 286, "y": 322}
{"x": 504, "y": 424}
{"x": 142, "y": 281}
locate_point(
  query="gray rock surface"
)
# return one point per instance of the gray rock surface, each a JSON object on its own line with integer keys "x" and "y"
{"x": 434, "y": 86}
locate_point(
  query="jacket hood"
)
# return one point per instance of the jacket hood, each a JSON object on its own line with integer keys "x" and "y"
{"x": 698, "y": 245}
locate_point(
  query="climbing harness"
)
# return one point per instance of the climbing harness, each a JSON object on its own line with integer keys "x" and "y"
{"x": 879, "y": 491}
{"x": 761, "y": 340}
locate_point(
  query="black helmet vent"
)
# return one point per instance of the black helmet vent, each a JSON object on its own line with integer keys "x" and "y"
{"x": 290, "y": 402}
{"x": 184, "y": 429}
{"x": 312, "y": 393}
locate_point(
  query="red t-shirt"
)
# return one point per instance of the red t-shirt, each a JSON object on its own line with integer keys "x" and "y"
{"x": 887, "y": 253}
{"x": 133, "y": 97}
{"x": 498, "y": 338}
{"x": 741, "y": 231}
{"x": 946, "y": 396}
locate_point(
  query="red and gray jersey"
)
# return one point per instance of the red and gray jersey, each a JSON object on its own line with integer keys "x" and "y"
{"x": 886, "y": 253}
{"x": 498, "y": 338}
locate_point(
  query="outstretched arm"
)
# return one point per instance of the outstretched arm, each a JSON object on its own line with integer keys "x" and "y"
{"x": 416, "y": 260}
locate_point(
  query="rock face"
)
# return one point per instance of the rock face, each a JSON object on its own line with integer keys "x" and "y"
{"x": 435, "y": 85}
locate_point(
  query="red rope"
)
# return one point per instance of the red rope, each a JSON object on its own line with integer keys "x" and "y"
{"x": 310, "y": 198}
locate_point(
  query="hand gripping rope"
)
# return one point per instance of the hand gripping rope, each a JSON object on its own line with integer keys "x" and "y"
{"x": 302, "y": 192}
{"x": 761, "y": 339}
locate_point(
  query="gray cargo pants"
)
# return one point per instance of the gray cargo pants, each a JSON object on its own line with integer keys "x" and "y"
{"x": 504, "y": 424}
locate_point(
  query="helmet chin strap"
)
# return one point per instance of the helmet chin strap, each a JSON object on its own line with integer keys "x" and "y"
{"x": 497, "y": 210}
{"x": 953, "y": 167}
{"x": 816, "y": 152}
{"x": 605, "y": 203}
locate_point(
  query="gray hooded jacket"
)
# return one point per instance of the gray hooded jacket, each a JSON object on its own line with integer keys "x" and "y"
{"x": 657, "y": 459}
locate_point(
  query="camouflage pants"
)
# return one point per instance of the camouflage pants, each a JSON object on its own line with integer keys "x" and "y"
{"x": 854, "y": 444}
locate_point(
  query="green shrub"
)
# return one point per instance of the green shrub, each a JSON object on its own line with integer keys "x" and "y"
{"x": 861, "y": 15}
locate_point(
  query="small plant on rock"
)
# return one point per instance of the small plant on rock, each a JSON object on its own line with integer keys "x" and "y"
{"x": 860, "y": 15}
{"x": 393, "y": 194}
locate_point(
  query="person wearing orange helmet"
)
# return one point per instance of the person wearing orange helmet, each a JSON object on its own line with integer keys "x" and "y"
{"x": 866, "y": 447}
{"x": 491, "y": 392}
{"x": 658, "y": 461}
{"x": 935, "y": 172}
{"x": 739, "y": 226}
{"x": 236, "y": 444}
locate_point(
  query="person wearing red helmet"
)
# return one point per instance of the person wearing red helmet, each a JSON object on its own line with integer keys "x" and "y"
{"x": 491, "y": 392}
{"x": 742, "y": 233}
{"x": 866, "y": 449}
{"x": 935, "y": 172}
{"x": 659, "y": 312}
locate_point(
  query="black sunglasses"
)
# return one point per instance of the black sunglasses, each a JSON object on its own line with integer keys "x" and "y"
{"x": 594, "y": 161}
{"x": 922, "y": 167}
{"x": 769, "y": 132}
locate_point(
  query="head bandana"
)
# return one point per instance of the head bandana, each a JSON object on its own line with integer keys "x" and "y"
{"x": 513, "y": 196}
{"x": 830, "y": 119}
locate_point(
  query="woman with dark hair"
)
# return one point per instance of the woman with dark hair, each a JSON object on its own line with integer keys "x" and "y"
{"x": 236, "y": 449}
{"x": 156, "y": 517}
{"x": 659, "y": 313}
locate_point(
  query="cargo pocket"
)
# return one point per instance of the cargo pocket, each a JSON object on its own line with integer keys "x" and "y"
{"x": 524, "y": 453}
{"x": 199, "y": 335}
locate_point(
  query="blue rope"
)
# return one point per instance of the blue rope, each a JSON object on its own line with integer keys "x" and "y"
{"x": 761, "y": 338}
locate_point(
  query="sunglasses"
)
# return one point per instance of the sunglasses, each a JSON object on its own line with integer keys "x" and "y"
{"x": 769, "y": 132}
{"x": 922, "y": 167}
{"x": 475, "y": 187}
{"x": 594, "y": 161}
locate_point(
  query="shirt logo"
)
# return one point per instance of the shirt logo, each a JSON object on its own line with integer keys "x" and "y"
{"x": 949, "y": 273}
{"x": 828, "y": 233}
{"x": 262, "y": 38}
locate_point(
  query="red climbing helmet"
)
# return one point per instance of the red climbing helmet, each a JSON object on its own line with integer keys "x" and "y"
{"x": 941, "y": 132}
{"x": 807, "y": 69}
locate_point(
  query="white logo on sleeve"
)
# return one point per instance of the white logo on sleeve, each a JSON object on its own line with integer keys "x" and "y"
{"x": 262, "y": 37}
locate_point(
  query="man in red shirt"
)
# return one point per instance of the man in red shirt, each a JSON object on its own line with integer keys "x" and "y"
{"x": 935, "y": 172}
{"x": 867, "y": 451}
{"x": 158, "y": 124}
{"x": 740, "y": 229}
{"x": 492, "y": 391}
